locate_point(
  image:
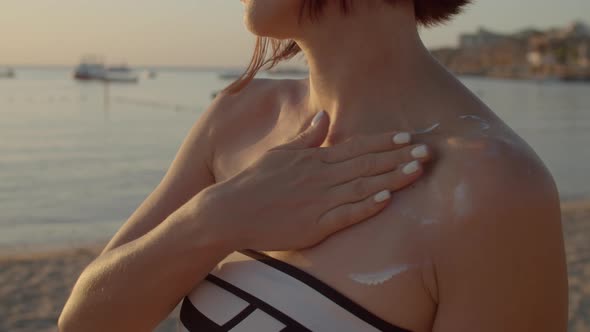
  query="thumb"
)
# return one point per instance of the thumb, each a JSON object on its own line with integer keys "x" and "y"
{"x": 313, "y": 136}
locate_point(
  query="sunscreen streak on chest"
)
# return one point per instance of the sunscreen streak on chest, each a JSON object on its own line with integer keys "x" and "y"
{"x": 380, "y": 277}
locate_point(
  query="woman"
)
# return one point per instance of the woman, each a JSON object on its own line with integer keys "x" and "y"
{"x": 475, "y": 245}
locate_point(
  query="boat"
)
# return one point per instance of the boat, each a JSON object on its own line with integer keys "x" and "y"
{"x": 6, "y": 73}
{"x": 92, "y": 68}
{"x": 120, "y": 74}
{"x": 230, "y": 75}
{"x": 151, "y": 74}
{"x": 288, "y": 71}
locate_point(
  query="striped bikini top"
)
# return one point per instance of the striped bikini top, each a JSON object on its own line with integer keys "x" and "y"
{"x": 253, "y": 292}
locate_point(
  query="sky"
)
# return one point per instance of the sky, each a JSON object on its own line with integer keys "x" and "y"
{"x": 205, "y": 32}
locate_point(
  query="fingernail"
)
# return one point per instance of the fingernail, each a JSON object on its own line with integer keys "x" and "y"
{"x": 317, "y": 118}
{"x": 411, "y": 168}
{"x": 420, "y": 152}
{"x": 382, "y": 196}
{"x": 402, "y": 138}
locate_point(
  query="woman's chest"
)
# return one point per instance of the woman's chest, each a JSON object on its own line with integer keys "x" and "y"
{"x": 379, "y": 264}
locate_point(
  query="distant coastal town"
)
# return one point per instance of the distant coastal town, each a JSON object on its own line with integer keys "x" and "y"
{"x": 554, "y": 54}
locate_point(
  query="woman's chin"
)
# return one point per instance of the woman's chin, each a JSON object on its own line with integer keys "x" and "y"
{"x": 254, "y": 28}
{"x": 272, "y": 18}
{"x": 266, "y": 29}
{"x": 259, "y": 29}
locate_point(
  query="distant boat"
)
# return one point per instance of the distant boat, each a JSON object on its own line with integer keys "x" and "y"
{"x": 6, "y": 73}
{"x": 93, "y": 69}
{"x": 151, "y": 74}
{"x": 230, "y": 75}
{"x": 288, "y": 71}
{"x": 120, "y": 74}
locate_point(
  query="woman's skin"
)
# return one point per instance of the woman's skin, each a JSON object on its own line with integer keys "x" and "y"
{"x": 142, "y": 275}
{"x": 479, "y": 235}
{"x": 481, "y": 231}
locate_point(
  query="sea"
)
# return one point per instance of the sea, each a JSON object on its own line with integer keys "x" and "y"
{"x": 77, "y": 158}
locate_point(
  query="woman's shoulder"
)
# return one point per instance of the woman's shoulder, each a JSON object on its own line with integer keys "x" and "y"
{"x": 503, "y": 247}
{"x": 250, "y": 108}
{"x": 496, "y": 173}
{"x": 238, "y": 120}
{"x": 504, "y": 226}
{"x": 257, "y": 98}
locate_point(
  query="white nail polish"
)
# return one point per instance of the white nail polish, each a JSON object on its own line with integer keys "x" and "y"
{"x": 420, "y": 152}
{"x": 402, "y": 138}
{"x": 382, "y": 196}
{"x": 411, "y": 168}
{"x": 317, "y": 118}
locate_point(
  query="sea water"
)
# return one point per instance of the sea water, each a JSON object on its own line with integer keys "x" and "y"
{"x": 76, "y": 159}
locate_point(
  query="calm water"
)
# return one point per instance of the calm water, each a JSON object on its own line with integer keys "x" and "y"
{"x": 73, "y": 167}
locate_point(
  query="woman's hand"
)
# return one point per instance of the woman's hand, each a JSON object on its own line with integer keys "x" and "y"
{"x": 297, "y": 194}
{"x": 293, "y": 197}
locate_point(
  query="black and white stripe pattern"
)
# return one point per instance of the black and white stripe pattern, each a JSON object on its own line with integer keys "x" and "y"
{"x": 250, "y": 291}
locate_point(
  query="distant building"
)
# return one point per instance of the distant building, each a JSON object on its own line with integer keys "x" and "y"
{"x": 576, "y": 29}
{"x": 528, "y": 33}
{"x": 481, "y": 38}
{"x": 584, "y": 55}
{"x": 562, "y": 53}
{"x": 537, "y": 59}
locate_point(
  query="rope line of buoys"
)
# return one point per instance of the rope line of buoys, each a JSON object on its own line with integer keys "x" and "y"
{"x": 154, "y": 104}
{"x": 55, "y": 99}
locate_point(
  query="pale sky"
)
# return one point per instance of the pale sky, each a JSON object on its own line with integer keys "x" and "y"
{"x": 204, "y": 32}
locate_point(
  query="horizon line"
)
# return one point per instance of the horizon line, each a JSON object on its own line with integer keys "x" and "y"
{"x": 147, "y": 66}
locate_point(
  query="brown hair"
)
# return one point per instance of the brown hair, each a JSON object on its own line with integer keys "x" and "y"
{"x": 428, "y": 13}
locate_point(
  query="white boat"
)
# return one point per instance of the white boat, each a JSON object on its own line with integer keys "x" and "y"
{"x": 150, "y": 74}
{"x": 92, "y": 68}
{"x": 6, "y": 73}
{"x": 120, "y": 74}
{"x": 230, "y": 75}
{"x": 292, "y": 71}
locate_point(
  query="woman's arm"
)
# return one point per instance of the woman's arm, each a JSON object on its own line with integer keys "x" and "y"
{"x": 135, "y": 285}
{"x": 141, "y": 263}
{"x": 188, "y": 175}
{"x": 501, "y": 265}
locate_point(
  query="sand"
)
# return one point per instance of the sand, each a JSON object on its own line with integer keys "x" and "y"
{"x": 576, "y": 224}
{"x": 35, "y": 286}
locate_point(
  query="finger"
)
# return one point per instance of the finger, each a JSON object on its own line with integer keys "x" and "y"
{"x": 358, "y": 146}
{"x": 347, "y": 215}
{"x": 313, "y": 136}
{"x": 376, "y": 163}
{"x": 359, "y": 189}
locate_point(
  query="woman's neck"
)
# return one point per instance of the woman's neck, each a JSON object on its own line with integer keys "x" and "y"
{"x": 365, "y": 61}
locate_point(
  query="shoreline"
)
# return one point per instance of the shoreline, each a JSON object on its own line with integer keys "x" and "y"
{"x": 36, "y": 283}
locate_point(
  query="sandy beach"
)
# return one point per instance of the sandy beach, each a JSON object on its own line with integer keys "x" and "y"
{"x": 35, "y": 286}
